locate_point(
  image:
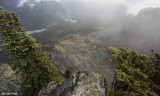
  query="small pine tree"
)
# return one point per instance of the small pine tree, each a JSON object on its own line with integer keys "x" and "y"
{"x": 32, "y": 64}
{"x": 138, "y": 74}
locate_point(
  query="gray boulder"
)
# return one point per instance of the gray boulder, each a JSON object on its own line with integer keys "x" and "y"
{"x": 6, "y": 71}
{"x": 9, "y": 88}
{"x": 48, "y": 88}
{"x": 89, "y": 84}
{"x": 81, "y": 84}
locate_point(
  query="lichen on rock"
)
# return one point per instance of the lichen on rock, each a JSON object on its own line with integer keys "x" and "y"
{"x": 81, "y": 84}
{"x": 89, "y": 84}
{"x": 6, "y": 71}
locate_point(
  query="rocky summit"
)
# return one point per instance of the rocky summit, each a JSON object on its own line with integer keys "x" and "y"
{"x": 81, "y": 84}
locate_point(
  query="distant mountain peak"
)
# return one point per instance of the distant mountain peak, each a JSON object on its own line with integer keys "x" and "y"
{"x": 149, "y": 11}
{"x": 149, "y": 14}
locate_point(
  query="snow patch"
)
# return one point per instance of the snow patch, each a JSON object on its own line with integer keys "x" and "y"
{"x": 69, "y": 20}
{"x": 36, "y": 31}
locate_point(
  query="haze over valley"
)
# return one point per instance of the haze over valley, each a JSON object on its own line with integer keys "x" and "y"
{"x": 76, "y": 34}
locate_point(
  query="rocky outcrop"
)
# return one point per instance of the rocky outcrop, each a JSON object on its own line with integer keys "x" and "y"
{"x": 48, "y": 88}
{"x": 8, "y": 81}
{"x": 81, "y": 84}
{"x": 6, "y": 72}
{"x": 89, "y": 84}
{"x": 10, "y": 88}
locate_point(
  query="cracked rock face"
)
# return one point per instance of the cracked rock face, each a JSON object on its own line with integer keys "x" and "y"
{"x": 48, "y": 88}
{"x": 81, "y": 84}
{"x": 89, "y": 84}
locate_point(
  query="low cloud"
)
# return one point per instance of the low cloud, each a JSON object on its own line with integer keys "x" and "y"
{"x": 134, "y": 6}
{"x": 22, "y": 2}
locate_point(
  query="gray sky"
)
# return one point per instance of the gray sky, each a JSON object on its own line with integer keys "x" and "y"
{"x": 134, "y": 6}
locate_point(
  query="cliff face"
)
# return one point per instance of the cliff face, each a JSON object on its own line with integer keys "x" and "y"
{"x": 83, "y": 53}
{"x": 81, "y": 84}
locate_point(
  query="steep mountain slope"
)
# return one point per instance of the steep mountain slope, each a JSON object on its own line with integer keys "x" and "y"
{"x": 83, "y": 53}
{"x": 9, "y": 4}
{"x": 143, "y": 31}
{"x": 37, "y": 15}
{"x": 140, "y": 32}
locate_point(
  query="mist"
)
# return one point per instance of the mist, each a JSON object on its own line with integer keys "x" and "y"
{"x": 133, "y": 6}
{"x": 120, "y": 23}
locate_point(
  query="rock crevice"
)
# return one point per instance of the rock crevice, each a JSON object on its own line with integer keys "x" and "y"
{"x": 81, "y": 84}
